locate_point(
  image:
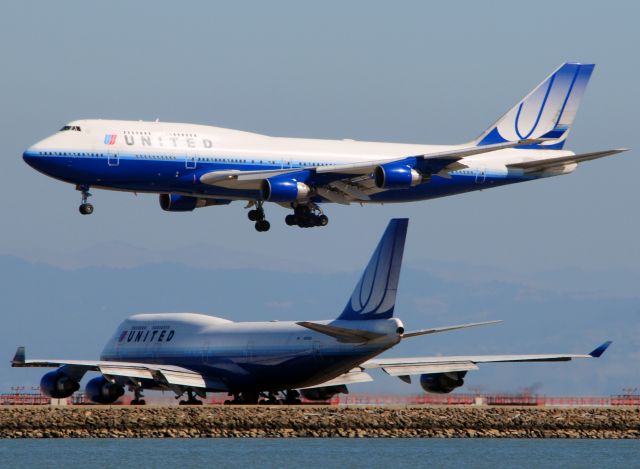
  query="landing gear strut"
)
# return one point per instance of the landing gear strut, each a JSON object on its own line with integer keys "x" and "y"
{"x": 191, "y": 399}
{"x": 85, "y": 207}
{"x": 138, "y": 400}
{"x": 257, "y": 215}
{"x": 288, "y": 397}
{"x": 307, "y": 216}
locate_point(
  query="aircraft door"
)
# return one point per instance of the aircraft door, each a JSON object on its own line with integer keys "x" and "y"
{"x": 113, "y": 159}
{"x": 190, "y": 162}
{"x": 481, "y": 175}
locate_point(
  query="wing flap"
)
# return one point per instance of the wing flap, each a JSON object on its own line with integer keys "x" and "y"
{"x": 418, "y": 369}
{"x": 353, "y": 376}
{"x": 133, "y": 372}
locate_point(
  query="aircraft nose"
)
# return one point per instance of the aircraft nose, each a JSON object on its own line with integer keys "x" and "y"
{"x": 31, "y": 156}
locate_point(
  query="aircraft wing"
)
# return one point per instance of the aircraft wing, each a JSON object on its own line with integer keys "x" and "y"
{"x": 167, "y": 375}
{"x": 422, "y": 365}
{"x": 550, "y": 163}
{"x": 356, "y": 375}
{"x": 344, "y": 183}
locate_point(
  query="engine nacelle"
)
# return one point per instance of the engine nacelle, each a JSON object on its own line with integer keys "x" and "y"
{"x": 57, "y": 385}
{"x": 185, "y": 203}
{"x": 102, "y": 391}
{"x": 396, "y": 176}
{"x": 284, "y": 189}
{"x": 442, "y": 383}
{"x": 323, "y": 394}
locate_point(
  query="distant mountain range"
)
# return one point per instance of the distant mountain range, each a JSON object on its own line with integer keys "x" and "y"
{"x": 67, "y": 308}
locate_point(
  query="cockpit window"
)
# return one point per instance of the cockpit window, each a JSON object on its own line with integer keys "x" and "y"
{"x": 70, "y": 127}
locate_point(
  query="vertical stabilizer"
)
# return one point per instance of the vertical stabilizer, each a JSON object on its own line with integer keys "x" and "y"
{"x": 547, "y": 112}
{"x": 375, "y": 294}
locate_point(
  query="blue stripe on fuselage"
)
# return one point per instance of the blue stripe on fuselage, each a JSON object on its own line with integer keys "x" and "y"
{"x": 170, "y": 174}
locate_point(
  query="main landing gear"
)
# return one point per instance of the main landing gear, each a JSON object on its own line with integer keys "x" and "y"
{"x": 138, "y": 400}
{"x": 85, "y": 207}
{"x": 257, "y": 215}
{"x": 288, "y": 397}
{"x": 307, "y": 216}
{"x": 191, "y": 399}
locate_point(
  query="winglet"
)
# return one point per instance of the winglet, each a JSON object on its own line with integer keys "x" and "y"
{"x": 20, "y": 357}
{"x": 599, "y": 350}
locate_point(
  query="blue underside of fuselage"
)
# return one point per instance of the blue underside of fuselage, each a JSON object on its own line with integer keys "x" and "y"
{"x": 268, "y": 371}
{"x": 137, "y": 174}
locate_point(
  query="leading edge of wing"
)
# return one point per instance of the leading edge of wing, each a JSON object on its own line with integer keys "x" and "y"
{"x": 171, "y": 375}
{"x": 419, "y": 365}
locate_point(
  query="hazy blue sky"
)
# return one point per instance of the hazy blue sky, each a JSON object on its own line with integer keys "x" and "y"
{"x": 401, "y": 71}
{"x": 424, "y": 72}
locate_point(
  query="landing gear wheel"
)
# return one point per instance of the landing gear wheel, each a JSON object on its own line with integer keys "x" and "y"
{"x": 307, "y": 216}
{"x": 138, "y": 402}
{"x": 262, "y": 225}
{"x": 86, "y": 209}
{"x": 255, "y": 215}
{"x": 190, "y": 402}
{"x": 291, "y": 220}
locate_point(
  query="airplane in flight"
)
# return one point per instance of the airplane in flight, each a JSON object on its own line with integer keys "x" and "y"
{"x": 192, "y": 166}
{"x": 278, "y": 360}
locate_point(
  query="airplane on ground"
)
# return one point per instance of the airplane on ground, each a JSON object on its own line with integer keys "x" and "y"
{"x": 195, "y": 354}
{"x": 194, "y": 166}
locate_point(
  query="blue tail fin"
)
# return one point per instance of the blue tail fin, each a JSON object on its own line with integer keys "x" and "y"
{"x": 375, "y": 294}
{"x": 547, "y": 112}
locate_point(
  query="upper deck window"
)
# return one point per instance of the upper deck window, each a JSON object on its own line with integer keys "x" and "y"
{"x": 71, "y": 127}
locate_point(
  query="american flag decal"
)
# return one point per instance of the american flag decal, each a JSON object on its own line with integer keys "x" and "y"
{"x": 110, "y": 139}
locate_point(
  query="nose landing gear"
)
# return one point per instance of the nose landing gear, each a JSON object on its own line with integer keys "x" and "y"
{"x": 85, "y": 207}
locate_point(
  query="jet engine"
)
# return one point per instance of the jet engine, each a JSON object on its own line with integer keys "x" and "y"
{"x": 185, "y": 203}
{"x": 58, "y": 385}
{"x": 396, "y": 176}
{"x": 323, "y": 394}
{"x": 102, "y": 391}
{"x": 284, "y": 189}
{"x": 442, "y": 383}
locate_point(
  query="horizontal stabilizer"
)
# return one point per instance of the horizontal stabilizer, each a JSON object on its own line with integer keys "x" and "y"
{"x": 551, "y": 163}
{"x": 341, "y": 334}
{"x": 435, "y": 330}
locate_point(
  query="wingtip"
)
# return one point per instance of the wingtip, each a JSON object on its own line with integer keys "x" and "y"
{"x": 599, "y": 350}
